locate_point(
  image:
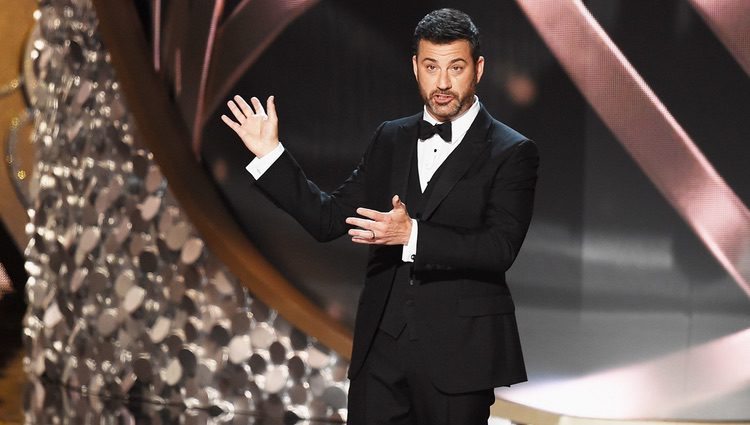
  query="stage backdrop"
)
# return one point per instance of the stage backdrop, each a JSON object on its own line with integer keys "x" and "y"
{"x": 616, "y": 293}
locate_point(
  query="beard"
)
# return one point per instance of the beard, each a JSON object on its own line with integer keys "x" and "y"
{"x": 454, "y": 108}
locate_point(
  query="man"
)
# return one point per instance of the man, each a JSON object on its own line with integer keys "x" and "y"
{"x": 444, "y": 199}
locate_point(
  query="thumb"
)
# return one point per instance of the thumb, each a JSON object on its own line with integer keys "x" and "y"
{"x": 397, "y": 204}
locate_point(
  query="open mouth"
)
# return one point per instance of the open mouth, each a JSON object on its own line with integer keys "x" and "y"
{"x": 442, "y": 99}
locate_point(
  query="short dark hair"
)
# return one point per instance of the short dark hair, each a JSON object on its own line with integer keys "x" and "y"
{"x": 443, "y": 26}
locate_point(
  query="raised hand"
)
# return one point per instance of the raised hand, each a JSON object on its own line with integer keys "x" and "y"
{"x": 381, "y": 228}
{"x": 258, "y": 130}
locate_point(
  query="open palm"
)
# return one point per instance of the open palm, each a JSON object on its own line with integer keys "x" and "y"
{"x": 258, "y": 130}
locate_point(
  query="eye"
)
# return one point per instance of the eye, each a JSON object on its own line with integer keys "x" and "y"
{"x": 457, "y": 68}
{"x": 430, "y": 67}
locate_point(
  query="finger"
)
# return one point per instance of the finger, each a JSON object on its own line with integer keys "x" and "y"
{"x": 361, "y": 234}
{"x": 258, "y": 106}
{"x": 271, "y": 104}
{"x": 364, "y": 241}
{"x": 246, "y": 109}
{"x": 360, "y": 222}
{"x": 371, "y": 214}
{"x": 228, "y": 121}
{"x": 238, "y": 115}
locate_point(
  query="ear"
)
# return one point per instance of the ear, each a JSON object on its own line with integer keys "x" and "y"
{"x": 414, "y": 66}
{"x": 480, "y": 68}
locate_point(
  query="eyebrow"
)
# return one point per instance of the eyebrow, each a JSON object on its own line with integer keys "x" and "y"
{"x": 451, "y": 62}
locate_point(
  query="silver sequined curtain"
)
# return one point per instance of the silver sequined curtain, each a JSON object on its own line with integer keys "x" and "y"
{"x": 125, "y": 301}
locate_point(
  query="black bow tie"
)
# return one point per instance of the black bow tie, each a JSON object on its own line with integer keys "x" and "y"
{"x": 427, "y": 130}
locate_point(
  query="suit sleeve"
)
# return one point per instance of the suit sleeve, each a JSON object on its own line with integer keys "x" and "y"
{"x": 494, "y": 245}
{"x": 321, "y": 214}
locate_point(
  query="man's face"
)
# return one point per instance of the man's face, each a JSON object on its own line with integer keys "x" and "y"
{"x": 447, "y": 77}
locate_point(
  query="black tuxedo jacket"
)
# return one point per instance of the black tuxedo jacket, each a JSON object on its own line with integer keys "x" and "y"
{"x": 470, "y": 232}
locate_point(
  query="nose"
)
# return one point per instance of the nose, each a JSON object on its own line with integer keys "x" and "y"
{"x": 444, "y": 81}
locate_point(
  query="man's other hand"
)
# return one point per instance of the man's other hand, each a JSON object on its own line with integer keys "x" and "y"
{"x": 382, "y": 228}
{"x": 258, "y": 130}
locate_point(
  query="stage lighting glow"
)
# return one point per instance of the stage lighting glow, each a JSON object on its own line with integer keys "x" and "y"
{"x": 663, "y": 387}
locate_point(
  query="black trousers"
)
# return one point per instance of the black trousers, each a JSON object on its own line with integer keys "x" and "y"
{"x": 393, "y": 387}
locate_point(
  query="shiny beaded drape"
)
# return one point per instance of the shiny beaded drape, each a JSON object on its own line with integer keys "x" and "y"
{"x": 125, "y": 301}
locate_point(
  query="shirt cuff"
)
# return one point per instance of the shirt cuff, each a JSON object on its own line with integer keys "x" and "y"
{"x": 260, "y": 165}
{"x": 410, "y": 249}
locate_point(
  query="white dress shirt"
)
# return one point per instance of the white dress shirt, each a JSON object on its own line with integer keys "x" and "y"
{"x": 431, "y": 153}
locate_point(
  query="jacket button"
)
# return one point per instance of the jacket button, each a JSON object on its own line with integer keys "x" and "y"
{"x": 410, "y": 302}
{"x": 411, "y": 282}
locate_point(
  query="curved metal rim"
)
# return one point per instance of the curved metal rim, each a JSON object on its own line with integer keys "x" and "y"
{"x": 521, "y": 413}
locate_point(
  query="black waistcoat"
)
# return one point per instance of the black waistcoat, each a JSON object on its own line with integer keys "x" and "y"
{"x": 399, "y": 310}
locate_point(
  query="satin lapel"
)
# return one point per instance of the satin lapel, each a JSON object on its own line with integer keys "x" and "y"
{"x": 459, "y": 161}
{"x": 405, "y": 147}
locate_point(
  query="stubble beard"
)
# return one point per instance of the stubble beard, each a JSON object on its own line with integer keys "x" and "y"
{"x": 455, "y": 108}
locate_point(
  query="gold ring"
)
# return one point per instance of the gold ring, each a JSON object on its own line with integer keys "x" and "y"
{"x": 373, "y": 234}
